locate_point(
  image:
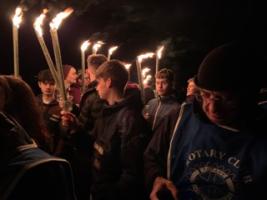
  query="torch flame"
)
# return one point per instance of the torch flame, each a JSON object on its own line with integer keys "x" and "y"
{"x": 159, "y": 52}
{"x": 147, "y": 79}
{"x": 39, "y": 22}
{"x": 17, "y": 17}
{"x": 59, "y": 18}
{"x": 97, "y": 45}
{"x": 145, "y": 56}
{"x": 85, "y": 45}
{"x": 145, "y": 71}
{"x": 112, "y": 49}
{"x": 127, "y": 66}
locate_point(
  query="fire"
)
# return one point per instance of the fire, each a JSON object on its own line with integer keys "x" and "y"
{"x": 147, "y": 79}
{"x": 159, "y": 52}
{"x": 85, "y": 45}
{"x": 59, "y": 18}
{"x": 127, "y": 66}
{"x": 112, "y": 49}
{"x": 39, "y": 22}
{"x": 145, "y": 71}
{"x": 17, "y": 17}
{"x": 97, "y": 45}
{"x": 145, "y": 56}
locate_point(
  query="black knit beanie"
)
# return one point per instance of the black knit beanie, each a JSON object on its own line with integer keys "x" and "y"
{"x": 231, "y": 67}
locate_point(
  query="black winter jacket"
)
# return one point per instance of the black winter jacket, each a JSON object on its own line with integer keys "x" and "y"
{"x": 155, "y": 156}
{"x": 90, "y": 108}
{"x": 121, "y": 135}
{"x": 159, "y": 108}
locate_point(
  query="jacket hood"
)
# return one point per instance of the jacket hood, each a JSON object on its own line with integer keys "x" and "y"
{"x": 12, "y": 136}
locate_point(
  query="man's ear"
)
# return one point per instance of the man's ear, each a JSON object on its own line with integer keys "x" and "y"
{"x": 109, "y": 82}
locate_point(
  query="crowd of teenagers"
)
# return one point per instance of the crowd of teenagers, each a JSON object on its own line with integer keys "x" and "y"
{"x": 115, "y": 141}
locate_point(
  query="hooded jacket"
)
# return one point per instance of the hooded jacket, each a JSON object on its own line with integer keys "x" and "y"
{"x": 210, "y": 162}
{"x": 26, "y": 170}
{"x": 120, "y": 137}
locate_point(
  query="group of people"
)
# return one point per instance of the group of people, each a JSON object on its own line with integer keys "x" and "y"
{"x": 112, "y": 145}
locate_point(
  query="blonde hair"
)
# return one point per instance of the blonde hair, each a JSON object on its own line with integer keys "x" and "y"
{"x": 165, "y": 73}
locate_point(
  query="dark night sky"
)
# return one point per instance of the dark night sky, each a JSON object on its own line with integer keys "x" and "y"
{"x": 189, "y": 28}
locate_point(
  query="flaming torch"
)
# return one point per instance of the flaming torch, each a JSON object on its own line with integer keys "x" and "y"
{"x": 158, "y": 57}
{"x": 97, "y": 46}
{"x": 145, "y": 71}
{"x": 54, "y": 25}
{"x": 111, "y": 50}
{"x": 147, "y": 79}
{"x": 39, "y": 33}
{"x": 139, "y": 60}
{"x": 16, "y": 22}
{"x": 84, "y": 47}
{"x": 127, "y": 66}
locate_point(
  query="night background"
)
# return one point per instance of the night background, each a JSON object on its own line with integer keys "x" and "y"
{"x": 187, "y": 28}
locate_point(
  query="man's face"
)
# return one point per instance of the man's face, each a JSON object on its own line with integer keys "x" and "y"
{"x": 72, "y": 76}
{"x": 47, "y": 87}
{"x": 163, "y": 87}
{"x": 103, "y": 88}
{"x": 222, "y": 108}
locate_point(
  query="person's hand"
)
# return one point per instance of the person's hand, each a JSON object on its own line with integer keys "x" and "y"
{"x": 67, "y": 104}
{"x": 67, "y": 118}
{"x": 160, "y": 184}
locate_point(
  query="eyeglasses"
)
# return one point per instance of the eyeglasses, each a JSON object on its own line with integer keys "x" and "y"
{"x": 219, "y": 97}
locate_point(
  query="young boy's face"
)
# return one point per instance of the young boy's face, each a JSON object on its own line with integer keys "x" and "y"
{"x": 163, "y": 87}
{"x": 47, "y": 87}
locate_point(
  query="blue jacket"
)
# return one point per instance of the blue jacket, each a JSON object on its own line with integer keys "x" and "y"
{"x": 209, "y": 162}
{"x": 26, "y": 170}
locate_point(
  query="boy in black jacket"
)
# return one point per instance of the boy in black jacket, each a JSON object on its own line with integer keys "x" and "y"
{"x": 120, "y": 137}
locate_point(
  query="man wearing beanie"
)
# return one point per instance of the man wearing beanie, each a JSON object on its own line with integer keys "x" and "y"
{"x": 218, "y": 149}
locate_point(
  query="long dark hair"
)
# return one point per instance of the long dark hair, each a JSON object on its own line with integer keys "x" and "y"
{"x": 19, "y": 102}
